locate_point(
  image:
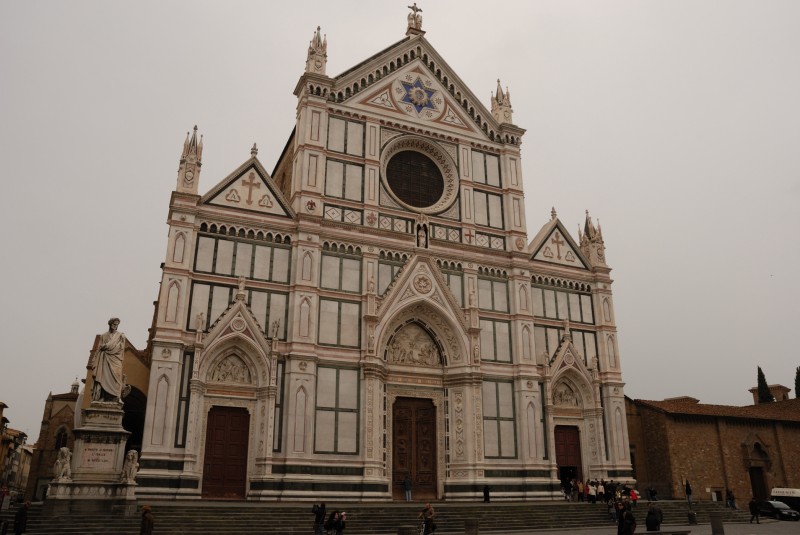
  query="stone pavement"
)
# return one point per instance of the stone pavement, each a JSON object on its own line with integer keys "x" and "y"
{"x": 767, "y": 527}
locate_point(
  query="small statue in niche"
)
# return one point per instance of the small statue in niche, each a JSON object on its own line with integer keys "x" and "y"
{"x": 422, "y": 236}
{"x": 130, "y": 468}
{"x": 62, "y": 469}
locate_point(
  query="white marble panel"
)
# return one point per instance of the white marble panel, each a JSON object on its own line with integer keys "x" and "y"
{"x": 280, "y": 264}
{"x": 492, "y": 170}
{"x": 324, "y": 434}
{"x": 277, "y": 312}
{"x": 348, "y": 389}
{"x": 506, "y": 396}
{"x": 355, "y": 139}
{"x": 574, "y": 307}
{"x": 326, "y": 387}
{"x": 481, "y": 214}
{"x": 258, "y": 304}
{"x": 330, "y": 271}
{"x": 495, "y": 211}
{"x": 200, "y": 294}
{"x": 348, "y": 432}
{"x": 500, "y": 291}
{"x": 328, "y": 321}
{"x": 549, "y": 303}
{"x": 586, "y": 306}
{"x": 205, "y": 254}
{"x": 490, "y": 438}
{"x": 478, "y": 167}
{"x": 351, "y": 275}
{"x": 334, "y": 177}
{"x": 336, "y": 134}
{"x": 354, "y": 182}
{"x": 487, "y": 340}
{"x": 485, "y": 294}
{"x": 489, "y": 399}
{"x": 244, "y": 255}
{"x": 503, "y": 340}
{"x": 538, "y": 303}
{"x": 224, "y": 261}
{"x": 351, "y": 321}
{"x": 507, "y": 439}
{"x": 261, "y": 266}
{"x": 563, "y": 308}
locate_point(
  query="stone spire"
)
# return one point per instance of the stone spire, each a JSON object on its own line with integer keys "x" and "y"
{"x": 317, "y": 53}
{"x": 501, "y": 105}
{"x": 254, "y": 151}
{"x": 591, "y": 242}
{"x": 191, "y": 161}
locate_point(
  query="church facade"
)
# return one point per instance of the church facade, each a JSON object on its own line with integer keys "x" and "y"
{"x": 373, "y": 310}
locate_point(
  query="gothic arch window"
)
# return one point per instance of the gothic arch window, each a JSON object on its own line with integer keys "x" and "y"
{"x": 606, "y": 310}
{"x": 160, "y": 419}
{"x": 305, "y": 317}
{"x": 523, "y": 298}
{"x": 62, "y": 437}
{"x": 173, "y": 294}
{"x": 307, "y": 264}
{"x": 178, "y": 250}
{"x": 526, "y": 343}
{"x": 612, "y": 353}
{"x": 300, "y": 401}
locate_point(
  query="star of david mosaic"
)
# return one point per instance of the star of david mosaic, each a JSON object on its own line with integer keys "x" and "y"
{"x": 418, "y": 95}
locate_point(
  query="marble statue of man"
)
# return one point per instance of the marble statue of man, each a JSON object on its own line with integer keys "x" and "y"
{"x": 106, "y": 364}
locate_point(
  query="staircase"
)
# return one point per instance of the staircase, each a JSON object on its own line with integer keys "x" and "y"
{"x": 241, "y": 518}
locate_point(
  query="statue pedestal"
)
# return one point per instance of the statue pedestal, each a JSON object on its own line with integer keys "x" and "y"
{"x": 97, "y": 461}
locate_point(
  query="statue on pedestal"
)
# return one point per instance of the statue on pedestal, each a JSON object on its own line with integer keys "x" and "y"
{"x": 130, "y": 468}
{"x": 62, "y": 469}
{"x": 106, "y": 364}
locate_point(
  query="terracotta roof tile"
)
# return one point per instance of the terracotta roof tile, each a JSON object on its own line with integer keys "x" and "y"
{"x": 788, "y": 410}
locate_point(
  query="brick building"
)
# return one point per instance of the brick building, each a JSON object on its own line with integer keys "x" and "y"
{"x": 748, "y": 449}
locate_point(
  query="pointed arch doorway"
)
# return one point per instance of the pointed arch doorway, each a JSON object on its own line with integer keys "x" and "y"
{"x": 414, "y": 447}
{"x": 568, "y": 452}
{"x": 225, "y": 463}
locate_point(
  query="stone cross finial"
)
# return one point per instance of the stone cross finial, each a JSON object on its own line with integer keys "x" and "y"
{"x": 414, "y": 18}
{"x": 254, "y": 151}
{"x": 553, "y": 214}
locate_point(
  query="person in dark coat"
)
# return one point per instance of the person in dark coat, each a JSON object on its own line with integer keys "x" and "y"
{"x": 654, "y": 517}
{"x": 427, "y": 515}
{"x": 486, "y": 493}
{"x": 146, "y": 527}
{"x": 627, "y": 522}
{"x": 753, "y": 510}
{"x": 688, "y": 492}
{"x": 336, "y": 522}
{"x": 407, "y": 485}
{"x": 319, "y": 518}
{"x": 21, "y": 519}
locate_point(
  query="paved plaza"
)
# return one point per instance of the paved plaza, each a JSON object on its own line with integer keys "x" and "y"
{"x": 766, "y": 527}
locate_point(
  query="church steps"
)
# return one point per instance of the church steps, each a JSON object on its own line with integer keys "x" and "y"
{"x": 231, "y": 518}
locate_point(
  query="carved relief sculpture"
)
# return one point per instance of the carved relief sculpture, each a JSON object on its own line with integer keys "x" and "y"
{"x": 231, "y": 370}
{"x": 62, "y": 469}
{"x": 564, "y": 396}
{"x": 130, "y": 468}
{"x": 413, "y": 345}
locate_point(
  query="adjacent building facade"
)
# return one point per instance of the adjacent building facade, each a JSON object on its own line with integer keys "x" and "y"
{"x": 749, "y": 449}
{"x": 372, "y": 309}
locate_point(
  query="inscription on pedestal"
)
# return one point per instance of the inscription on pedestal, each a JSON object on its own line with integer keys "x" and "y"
{"x": 98, "y": 457}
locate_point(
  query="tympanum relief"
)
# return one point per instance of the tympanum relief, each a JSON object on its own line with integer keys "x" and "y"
{"x": 414, "y": 346}
{"x": 564, "y": 396}
{"x": 230, "y": 370}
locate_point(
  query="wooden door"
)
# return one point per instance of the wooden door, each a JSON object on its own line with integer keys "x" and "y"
{"x": 414, "y": 447}
{"x": 568, "y": 452}
{"x": 757, "y": 483}
{"x": 225, "y": 465}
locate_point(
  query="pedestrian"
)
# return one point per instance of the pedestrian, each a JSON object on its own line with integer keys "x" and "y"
{"x": 612, "y": 510}
{"x": 601, "y": 492}
{"x": 654, "y": 517}
{"x": 592, "y": 493}
{"x": 580, "y": 491}
{"x": 688, "y": 493}
{"x": 21, "y": 519}
{"x": 427, "y": 515}
{"x": 146, "y": 527}
{"x": 753, "y": 510}
{"x": 486, "y": 491}
{"x": 407, "y": 487}
{"x": 319, "y": 518}
{"x": 634, "y": 497}
{"x": 336, "y": 522}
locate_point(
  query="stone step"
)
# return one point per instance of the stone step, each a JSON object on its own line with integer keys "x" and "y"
{"x": 246, "y": 518}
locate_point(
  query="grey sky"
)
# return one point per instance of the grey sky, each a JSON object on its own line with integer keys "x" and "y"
{"x": 674, "y": 122}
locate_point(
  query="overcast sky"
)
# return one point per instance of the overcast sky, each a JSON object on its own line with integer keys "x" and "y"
{"x": 673, "y": 122}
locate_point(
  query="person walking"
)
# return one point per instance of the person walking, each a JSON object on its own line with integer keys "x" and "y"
{"x": 21, "y": 519}
{"x": 427, "y": 515}
{"x": 654, "y": 517}
{"x": 688, "y": 493}
{"x": 319, "y": 518}
{"x": 580, "y": 491}
{"x": 146, "y": 527}
{"x": 753, "y": 510}
{"x": 407, "y": 487}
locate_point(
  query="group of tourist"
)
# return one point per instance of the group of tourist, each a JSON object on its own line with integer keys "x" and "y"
{"x": 594, "y": 491}
{"x": 334, "y": 524}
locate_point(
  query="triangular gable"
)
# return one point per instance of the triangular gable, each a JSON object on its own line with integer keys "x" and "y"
{"x": 249, "y": 188}
{"x": 421, "y": 279}
{"x": 567, "y": 362}
{"x": 237, "y": 320}
{"x": 413, "y": 93}
{"x": 553, "y": 244}
{"x": 376, "y": 94}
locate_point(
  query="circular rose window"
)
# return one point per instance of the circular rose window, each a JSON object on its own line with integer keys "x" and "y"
{"x": 420, "y": 175}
